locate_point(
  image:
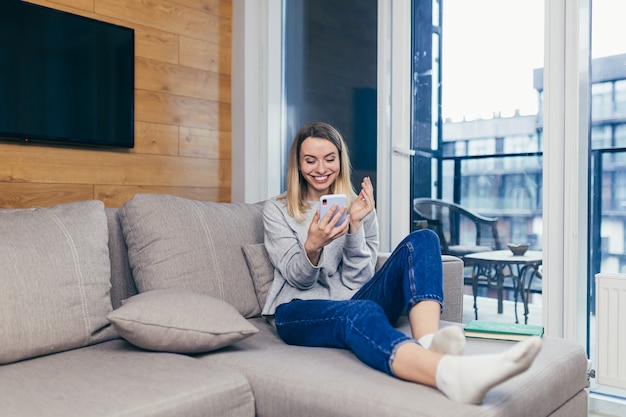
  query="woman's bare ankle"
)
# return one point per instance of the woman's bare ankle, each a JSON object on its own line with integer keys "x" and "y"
{"x": 412, "y": 362}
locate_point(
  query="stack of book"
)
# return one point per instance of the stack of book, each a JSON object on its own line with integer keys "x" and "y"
{"x": 501, "y": 331}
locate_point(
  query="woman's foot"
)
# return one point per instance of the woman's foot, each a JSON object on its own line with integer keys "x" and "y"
{"x": 448, "y": 340}
{"x": 467, "y": 379}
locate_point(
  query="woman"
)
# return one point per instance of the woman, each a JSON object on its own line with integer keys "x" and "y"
{"x": 326, "y": 291}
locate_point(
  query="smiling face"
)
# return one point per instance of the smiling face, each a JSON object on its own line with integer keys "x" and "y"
{"x": 319, "y": 165}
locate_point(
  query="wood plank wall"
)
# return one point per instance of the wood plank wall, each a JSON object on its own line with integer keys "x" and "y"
{"x": 182, "y": 114}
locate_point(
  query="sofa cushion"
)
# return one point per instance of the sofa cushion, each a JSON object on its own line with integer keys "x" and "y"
{"x": 116, "y": 379}
{"x": 261, "y": 269}
{"x": 175, "y": 242}
{"x": 179, "y": 321}
{"x": 55, "y": 279}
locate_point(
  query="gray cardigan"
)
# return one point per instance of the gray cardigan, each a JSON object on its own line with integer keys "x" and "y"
{"x": 345, "y": 264}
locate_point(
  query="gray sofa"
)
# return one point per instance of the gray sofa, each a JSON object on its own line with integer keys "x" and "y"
{"x": 154, "y": 310}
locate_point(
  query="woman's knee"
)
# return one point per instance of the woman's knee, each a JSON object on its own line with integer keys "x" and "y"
{"x": 426, "y": 235}
{"x": 425, "y": 240}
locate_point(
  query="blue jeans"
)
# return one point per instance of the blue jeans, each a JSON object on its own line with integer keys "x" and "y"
{"x": 364, "y": 324}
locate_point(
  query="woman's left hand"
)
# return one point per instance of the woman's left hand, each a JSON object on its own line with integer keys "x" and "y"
{"x": 362, "y": 205}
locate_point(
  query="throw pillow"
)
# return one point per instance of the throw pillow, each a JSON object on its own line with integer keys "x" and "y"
{"x": 261, "y": 269}
{"x": 179, "y": 321}
{"x": 175, "y": 242}
{"x": 55, "y": 279}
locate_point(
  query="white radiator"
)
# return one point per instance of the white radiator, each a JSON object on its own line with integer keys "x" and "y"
{"x": 611, "y": 330}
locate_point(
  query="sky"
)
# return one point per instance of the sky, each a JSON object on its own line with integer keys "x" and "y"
{"x": 488, "y": 60}
{"x": 608, "y": 29}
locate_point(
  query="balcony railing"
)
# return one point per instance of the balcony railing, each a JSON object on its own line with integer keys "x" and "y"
{"x": 509, "y": 187}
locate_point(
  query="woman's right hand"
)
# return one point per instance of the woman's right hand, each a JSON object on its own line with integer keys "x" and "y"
{"x": 323, "y": 231}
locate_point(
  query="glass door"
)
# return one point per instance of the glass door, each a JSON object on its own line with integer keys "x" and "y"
{"x": 476, "y": 122}
{"x": 330, "y": 70}
{"x": 607, "y": 153}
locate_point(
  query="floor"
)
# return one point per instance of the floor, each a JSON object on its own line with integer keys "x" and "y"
{"x": 488, "y": 309}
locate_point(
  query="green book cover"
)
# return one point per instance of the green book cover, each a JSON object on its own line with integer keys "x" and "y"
{"x": 478, "y": 326}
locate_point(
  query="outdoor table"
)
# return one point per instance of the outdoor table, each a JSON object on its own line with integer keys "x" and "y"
{"x": 493, "y": 267}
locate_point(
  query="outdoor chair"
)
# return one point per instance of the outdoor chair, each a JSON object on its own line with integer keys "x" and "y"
{"x": 460, "y": 230}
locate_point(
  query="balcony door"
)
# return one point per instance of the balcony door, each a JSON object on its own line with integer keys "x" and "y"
{"x": 476, "y": 128}
{"x": 330, "y": 73}
{"x": 607, "y": 166}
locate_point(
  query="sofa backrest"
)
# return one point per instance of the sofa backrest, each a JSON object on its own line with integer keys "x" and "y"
{"x": 55, "y": 279}
{"x": 163, "y": 241}
{"x": 229, "y": 260}
{"x": 122, "y": 284}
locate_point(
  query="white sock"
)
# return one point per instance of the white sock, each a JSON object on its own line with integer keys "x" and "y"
{"x": 467, "y": 379}
{"x": 426, "y": 340}
{"x": 448, "y": 340}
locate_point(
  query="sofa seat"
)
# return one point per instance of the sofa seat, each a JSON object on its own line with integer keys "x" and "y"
{"x": 116, "y": 379}
{"x": 292, "y": 380}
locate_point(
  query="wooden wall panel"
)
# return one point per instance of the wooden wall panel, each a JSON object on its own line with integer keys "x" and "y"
{"x": 169, "y": 16}
{"x": 182, "y": 81}
{"x": 182, "y": 114}
{"x": 114, "y": 196}
{"x": 205, "y": 55}
{"x": 216, "y": 7}
{"x": 39, "y": 164}
{"x": 158, "y": 139}
{"x": 203, "y": 143}
{"x": 157, "y": 107}
{"x": 19, "y": 195}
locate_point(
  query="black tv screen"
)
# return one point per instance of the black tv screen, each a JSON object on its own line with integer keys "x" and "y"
{"x": 65, "y": 78}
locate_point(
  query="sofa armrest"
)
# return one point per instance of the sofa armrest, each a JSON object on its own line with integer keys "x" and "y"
{"x": 452, "y": 289}
{"x": 452, "y": 286}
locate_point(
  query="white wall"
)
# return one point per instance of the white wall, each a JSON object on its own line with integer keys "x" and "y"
{"x": 256, "y": 100}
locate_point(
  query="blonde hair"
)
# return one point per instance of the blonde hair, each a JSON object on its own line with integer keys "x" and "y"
{"x": 297, "y": 185}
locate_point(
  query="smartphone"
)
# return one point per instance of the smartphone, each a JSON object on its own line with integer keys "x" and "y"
{"x": 327, "y": 201}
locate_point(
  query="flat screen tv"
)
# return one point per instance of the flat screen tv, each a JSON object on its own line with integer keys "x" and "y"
{"x": 64, "y": 78}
